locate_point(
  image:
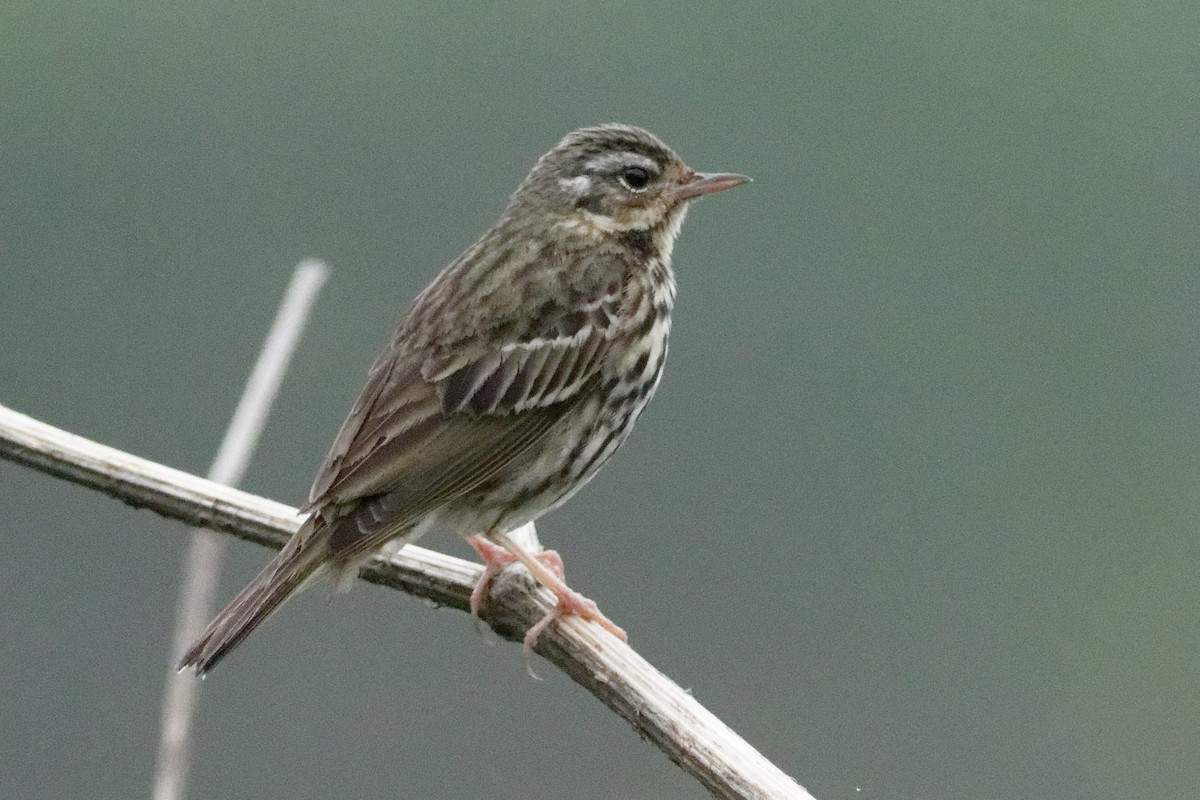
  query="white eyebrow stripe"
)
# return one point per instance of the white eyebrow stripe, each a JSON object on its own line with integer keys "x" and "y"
{"x": 578, "y": 186}
{"x": 607, "y": 161}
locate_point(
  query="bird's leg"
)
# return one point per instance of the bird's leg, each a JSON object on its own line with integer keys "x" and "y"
{"x": 498, "y": 550}
{"x": 496, "y": 558}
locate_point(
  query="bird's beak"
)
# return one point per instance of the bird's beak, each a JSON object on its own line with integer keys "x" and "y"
{"x": 707, "y": 183}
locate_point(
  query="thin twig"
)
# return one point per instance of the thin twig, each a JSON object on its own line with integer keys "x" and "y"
{"x": 657, "y": 708}
{"x": 206, "y": 548}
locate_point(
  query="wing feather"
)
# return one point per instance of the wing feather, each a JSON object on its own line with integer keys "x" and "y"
{"x": 433, "y": 424}
{"x": 467, "y": 455}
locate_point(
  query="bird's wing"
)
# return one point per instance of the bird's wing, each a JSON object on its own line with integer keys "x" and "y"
{"x": 432, "y": 425}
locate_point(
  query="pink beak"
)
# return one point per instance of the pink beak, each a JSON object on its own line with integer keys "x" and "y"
{"x": 707, "y": 183}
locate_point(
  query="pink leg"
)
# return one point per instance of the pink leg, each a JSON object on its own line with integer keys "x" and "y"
{"x": 496, "y": 558}
{"x": 547, "y": 567}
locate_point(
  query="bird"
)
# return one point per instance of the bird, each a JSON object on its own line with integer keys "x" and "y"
{"x": 507, "y": 384}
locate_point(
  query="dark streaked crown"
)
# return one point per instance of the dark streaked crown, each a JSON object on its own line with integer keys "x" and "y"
{"x": 579, "y": 149}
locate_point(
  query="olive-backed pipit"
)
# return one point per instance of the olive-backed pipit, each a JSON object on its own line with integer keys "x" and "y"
{"x": 510, "y": 380}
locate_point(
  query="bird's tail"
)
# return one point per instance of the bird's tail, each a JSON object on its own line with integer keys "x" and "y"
{"x": 299, "y": 559}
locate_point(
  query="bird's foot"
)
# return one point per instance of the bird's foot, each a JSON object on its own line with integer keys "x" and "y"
{"x": 547, "y": 568}
{"x": 496, "y": 558}
{"x": 572, "y": 603}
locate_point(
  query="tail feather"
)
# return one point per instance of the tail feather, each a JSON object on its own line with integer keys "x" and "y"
{"x": 288, "y": 571}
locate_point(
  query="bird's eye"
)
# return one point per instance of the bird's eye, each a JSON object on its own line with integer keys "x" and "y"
{"x": 635, "y": 178}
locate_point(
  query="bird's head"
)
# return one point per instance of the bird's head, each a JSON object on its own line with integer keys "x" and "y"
{"x": 614, "y": 180}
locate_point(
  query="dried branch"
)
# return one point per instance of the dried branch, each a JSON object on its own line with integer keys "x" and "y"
{"x": 658, "y": 709}
{"x": 206, "y": 549}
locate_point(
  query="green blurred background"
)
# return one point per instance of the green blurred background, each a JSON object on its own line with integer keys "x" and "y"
{"x": 915, "y": 510}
